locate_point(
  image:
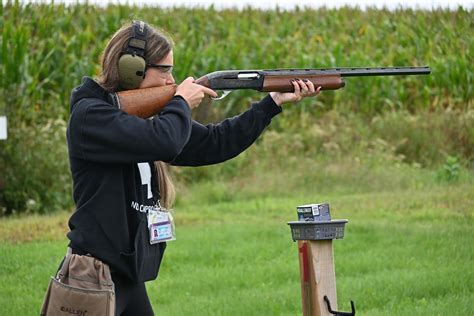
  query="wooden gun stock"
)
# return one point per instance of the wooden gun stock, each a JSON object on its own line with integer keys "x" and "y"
{"x": 145, "y": 102}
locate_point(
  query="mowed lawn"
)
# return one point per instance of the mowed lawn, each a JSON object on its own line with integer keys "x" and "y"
{"x": 405, "y": 252}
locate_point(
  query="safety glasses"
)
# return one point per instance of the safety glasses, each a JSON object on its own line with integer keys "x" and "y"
{"x": 162, "y": 68}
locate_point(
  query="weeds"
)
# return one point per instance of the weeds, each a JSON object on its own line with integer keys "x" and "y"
{"x": 450, "y": 171}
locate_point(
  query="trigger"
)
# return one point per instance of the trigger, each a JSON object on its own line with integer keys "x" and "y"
{"x": 222, "y": 96}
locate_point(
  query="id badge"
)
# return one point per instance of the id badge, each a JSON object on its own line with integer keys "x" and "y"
{"x": 160, "y": 225}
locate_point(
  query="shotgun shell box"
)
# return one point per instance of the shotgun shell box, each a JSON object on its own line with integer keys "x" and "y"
{"x": 314, "y": 212}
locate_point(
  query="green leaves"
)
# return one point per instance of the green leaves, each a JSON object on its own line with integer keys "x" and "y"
{"x": 450, "y": 171}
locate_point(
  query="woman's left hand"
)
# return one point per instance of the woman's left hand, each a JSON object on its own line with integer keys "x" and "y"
{"x": 303, "y": 88}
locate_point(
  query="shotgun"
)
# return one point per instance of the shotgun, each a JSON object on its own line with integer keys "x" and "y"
{"x": 149, "y": 101}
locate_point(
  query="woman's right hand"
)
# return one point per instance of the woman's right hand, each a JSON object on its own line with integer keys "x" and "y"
{"x": 193, "y": 93}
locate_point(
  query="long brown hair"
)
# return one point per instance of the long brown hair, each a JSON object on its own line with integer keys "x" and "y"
{"x": 159, "y": 44}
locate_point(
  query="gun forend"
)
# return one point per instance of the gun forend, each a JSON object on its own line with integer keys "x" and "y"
{"x": 284, "y": 84}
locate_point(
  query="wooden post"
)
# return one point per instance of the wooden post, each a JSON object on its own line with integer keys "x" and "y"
{"x": 318, "y": 277}
{"x": 315, "y": 232}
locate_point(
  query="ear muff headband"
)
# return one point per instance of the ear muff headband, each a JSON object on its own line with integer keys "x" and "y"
{"x": 132, "y": 63}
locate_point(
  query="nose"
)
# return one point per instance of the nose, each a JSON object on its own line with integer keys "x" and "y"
{"x": 170, "y": 80}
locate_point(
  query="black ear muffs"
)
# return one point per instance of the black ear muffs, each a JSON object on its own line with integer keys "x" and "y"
{"x": 132, "y": 64}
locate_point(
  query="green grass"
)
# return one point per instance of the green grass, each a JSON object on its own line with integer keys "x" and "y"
{"x": 406, "y": 250}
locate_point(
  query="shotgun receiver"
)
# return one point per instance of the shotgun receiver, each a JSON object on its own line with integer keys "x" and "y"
{"x": 149, "y": 101}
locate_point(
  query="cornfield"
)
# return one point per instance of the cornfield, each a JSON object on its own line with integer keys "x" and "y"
{"x": 47, "y": 49}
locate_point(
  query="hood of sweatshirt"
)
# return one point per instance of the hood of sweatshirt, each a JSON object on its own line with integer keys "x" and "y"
{"x": 89, "y": 88}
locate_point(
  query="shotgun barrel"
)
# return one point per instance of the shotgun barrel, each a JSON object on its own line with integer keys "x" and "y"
{"x": 353, "y": 72}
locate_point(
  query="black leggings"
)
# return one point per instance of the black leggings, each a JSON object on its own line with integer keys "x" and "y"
{"x": 130, "y": 298}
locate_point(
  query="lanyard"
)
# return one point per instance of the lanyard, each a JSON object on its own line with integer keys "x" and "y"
{"x": 155, "y": 185}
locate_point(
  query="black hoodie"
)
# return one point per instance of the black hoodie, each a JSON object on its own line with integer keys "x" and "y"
{"x": 111, "y": 155}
